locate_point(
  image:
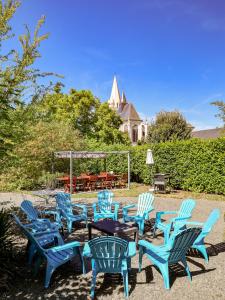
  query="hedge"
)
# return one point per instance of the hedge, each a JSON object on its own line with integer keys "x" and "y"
{"x": 194, "y": 165}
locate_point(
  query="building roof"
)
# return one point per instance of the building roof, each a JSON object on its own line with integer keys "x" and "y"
{"x": 128, "y": 112}
{"x": 208, "y": 133}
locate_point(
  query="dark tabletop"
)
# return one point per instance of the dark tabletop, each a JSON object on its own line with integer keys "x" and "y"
{"x": 111, "y": 226}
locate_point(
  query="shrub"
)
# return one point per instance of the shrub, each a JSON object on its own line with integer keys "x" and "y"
{"x": 195, "y": 165}
{"x": 6, "y": 253}
{"x": 32, "y": 158}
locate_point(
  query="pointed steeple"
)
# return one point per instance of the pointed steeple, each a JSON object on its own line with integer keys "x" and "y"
{"x": 114, "y": 100}
{"x": 123, "y": 98}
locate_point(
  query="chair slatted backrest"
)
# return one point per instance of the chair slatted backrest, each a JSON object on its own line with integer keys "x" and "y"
{"x": 108, "y": 253}
{"x": 212, "y": 219}
{"x": 186, "y": 208}
{"x": 29, "y": 210}
{"x": 64, "y": 197}
{"x": 145, "y": 202}
{"x": 28, "y": 234}
{"x": 41, "y": 240}
{"x": 63, "y": 203}
{"x": 105, "y": 199}
{"x": 181, "y": 243}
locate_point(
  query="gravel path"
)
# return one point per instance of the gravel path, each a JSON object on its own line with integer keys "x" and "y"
{"x": 208, "y": 280}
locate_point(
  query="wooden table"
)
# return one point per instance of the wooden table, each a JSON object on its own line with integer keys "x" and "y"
{"x": 113, "y": 228}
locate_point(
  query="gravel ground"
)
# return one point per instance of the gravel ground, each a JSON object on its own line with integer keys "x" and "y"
{"x": 208, "y": 280}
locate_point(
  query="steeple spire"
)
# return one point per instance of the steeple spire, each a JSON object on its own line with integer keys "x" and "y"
{"x": 114, "y": 100}
{"x": 123, "y": 98}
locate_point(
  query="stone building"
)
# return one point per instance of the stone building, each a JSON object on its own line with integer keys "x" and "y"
{"x": 132, "y": 123}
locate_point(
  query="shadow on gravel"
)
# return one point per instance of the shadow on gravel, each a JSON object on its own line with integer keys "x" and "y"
{"x": 212, "y": 250}
{"x": 176, "y": 270}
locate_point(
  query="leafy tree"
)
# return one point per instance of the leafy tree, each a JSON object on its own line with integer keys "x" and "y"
{"x": 77, "y": 108}
{"x": 32, "y": 158}
{"x": 107, "y": 126}
{"x": 83, "y": 111}
{"x": 16, "y": 72}
{"x": 169, "y": 126}
{"x": 221, "y": 107}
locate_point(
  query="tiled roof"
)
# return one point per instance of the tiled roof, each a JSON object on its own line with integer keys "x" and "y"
{"x": 208, "y": 133}
{"x": 128, "y": 112}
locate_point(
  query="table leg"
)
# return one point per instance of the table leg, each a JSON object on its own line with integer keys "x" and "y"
{"x": 89, "y": 232}
{"x": 136, "y": 237}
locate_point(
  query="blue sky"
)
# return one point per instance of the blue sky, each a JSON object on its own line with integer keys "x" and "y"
{"x": 167, "y": 54}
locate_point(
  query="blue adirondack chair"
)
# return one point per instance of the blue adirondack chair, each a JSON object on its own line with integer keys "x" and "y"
{"x": 173, "y": 252}
{"x": 182, "y": 215}
{"x": 206, "y": 228}
{"x": 55, "y": 256}
{"x": 143, "y": 208}
{"x": 33, "y": 215}
{"x": 110, "y": 255}
{"x": 45, "y": 237}
{"x": 65, "y": 209}
{"x": 66, "y": 198}
{"x": 105, "y": 208}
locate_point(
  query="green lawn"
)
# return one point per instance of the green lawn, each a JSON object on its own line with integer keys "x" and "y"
{"x": 136, "y": 189}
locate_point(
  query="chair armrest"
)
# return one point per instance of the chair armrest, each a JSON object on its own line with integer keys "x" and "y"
{"x": 48, "y": 212}
{"x": 42, "y": 221}
{"x": 160, "y": 213}
{"x": 179, "y": 225}
{"x": 131, "y": 249}
{"x": 154, "y": 248}
{"x": 180, "y": 219}
{"x": 194, "y": 223}
{"x": 51, "y": 212}
{"x": 45, "y": 232}
{"x": 125, "y": 208}
{"x": 166, "y": 213}
{"x": 65, "y": 246}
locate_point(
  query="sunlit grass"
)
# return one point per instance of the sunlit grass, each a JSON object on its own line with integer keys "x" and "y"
{"x": 137, "y": 189}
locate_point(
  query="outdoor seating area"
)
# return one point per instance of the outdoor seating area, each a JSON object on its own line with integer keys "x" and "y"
{"x": 86, "y": 182}
{"x": 121, "y": 237}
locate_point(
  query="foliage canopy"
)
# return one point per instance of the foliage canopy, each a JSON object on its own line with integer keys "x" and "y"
{"x": 169, "y": 126}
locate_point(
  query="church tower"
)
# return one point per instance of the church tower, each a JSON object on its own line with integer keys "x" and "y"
{"x": 114, "y": 100}
{"x": 132, "y": 124}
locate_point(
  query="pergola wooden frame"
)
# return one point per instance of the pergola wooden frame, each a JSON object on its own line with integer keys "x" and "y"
{"x": 89, "y": 154}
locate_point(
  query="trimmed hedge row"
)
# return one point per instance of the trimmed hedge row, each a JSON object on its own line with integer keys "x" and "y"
{"x": 195, "y": 165}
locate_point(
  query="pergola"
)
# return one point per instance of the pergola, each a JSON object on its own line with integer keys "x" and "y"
{"x": 89, "y": 154}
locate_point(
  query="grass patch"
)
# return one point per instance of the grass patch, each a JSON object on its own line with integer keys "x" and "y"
{"x": 137, "y": 189}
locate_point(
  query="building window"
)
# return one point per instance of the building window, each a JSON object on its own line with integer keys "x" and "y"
{"x": 143, "y": 131}
{"x": 134, "y": 134}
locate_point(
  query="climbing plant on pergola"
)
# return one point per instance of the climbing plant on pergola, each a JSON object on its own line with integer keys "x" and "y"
{"x": 89, "y": 154}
